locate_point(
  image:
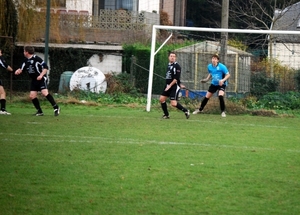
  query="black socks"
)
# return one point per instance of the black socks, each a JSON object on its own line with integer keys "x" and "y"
{"x": 51, "y": 100}
{"x": 36, "y": 104}
{"x": 222, "y": 103}
{"x": 164, "y": 108}
{"x": 3, "y": 102}
{"x": 203, "y": 103}
{"x": 180, "y": 107}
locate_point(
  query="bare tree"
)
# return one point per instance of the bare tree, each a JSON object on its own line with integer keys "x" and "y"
{"x": 260, "y": 15}
{"x": 256, "y": 14}
{"x": 8, "y": 19}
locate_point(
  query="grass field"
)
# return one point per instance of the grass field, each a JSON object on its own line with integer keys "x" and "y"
{"x": 122, "y": 160}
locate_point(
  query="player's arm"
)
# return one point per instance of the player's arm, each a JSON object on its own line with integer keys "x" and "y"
{"x": 204, "y": 80}
{"x": 182, "y": 86}
{"x": 174, "y": 81}
{"x": 222, "y": 81}
{"x": 44, "y": 68}
{"x": 44, "y": 72}
{"x": 5, "y": 65}
{"x": 18, "y": 71}
{"x": 9, "y": 69}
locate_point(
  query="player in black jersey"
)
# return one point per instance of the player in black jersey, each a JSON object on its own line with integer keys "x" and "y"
{"x": 37, "y": 70}
{"x": 2, "y": 91}
{"x": 172, "y": 87}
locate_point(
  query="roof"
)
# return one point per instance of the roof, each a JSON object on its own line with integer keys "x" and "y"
{"x": 82, "y": 46}
{"x": 287, "y": 19}
{"x": 211, "y": 47}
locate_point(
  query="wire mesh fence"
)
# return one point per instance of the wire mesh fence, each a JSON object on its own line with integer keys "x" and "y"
{"x": 249, "y": 73}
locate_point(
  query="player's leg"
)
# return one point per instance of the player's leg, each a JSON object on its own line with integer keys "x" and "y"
{"x": 45, "y": 92}
{"x": 162, "y": 99}
{"x": 34, "y": 88}
{"x": 174, "y": 101}
{"x": 3, "y": 100}
{"x": 36, "y": 103}
{"x": 222, "y": 102}
{"x": 163, "y": 103}
{"x": 50, "y": 98}
{"x": 204, "y": 102}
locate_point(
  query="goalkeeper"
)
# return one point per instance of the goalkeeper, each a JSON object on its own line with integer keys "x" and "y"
{"x": 219, "y": 74}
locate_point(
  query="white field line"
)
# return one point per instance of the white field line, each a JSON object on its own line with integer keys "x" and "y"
{"x": 215, "y": 121}
{"x": 88, "y": 139}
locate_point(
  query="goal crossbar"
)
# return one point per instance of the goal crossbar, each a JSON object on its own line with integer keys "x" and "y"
{"x": 181, "y": 28}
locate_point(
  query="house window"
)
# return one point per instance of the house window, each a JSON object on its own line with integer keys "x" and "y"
{"x": 298, "y": 23}
{"x": 130, "y": 5}
{"x": 126, "y": 4}
{"x": 110, "y": 5}
{"x": 54, "y": 3}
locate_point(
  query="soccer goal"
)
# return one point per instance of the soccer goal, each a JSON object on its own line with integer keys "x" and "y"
{"x": 241, "y": 63}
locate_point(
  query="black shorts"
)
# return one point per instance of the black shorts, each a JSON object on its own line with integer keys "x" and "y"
{"x": 37, "y": 85}
{"x": 1, "y": 83}
{"x": 214, "y": 88}
{"x": 172, "y": 93}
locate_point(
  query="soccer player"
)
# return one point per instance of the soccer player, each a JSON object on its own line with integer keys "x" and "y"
{"x": 2, "y": 91}
{"x": 37, "y": 70}
{"x": 172, "y": 87}
{"x": 219, "y": 74}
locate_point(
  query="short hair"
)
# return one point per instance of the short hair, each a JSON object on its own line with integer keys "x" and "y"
{"x": 29, "y": 49}
{"x": 216, "y": 56}
{"x": 171, "y": 52}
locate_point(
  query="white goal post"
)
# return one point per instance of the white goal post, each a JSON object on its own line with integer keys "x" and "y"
{"x": 180, "y": 28}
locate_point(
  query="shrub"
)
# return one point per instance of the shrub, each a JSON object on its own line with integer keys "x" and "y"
{"x": 274, "y": 101}
{"x": 281, "y": 101}
{"x": 120, "y": 83}
{"x": 261, "y": 84}
{"x": 279, "y": 78}
{"x": 297, "y": 79}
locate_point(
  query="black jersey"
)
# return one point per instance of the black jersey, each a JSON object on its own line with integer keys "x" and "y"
{"x": 3, "y": 62}
{"x": 34, "y": 66}
{"x": 173, "y": 72}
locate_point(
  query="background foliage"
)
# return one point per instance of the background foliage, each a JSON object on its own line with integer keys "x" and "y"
{"x": 136, "y": 56}
{"x": 8, "y": 21}
{"x": 140, "y": 54}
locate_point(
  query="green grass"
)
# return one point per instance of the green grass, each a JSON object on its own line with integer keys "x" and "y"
{"x": 121, "y": 160}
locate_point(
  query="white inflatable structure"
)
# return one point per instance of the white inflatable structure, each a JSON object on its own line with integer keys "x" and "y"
{"x": 88, "y": 79}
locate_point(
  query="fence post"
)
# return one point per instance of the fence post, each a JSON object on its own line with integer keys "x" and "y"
{"x": 132, "y": 64}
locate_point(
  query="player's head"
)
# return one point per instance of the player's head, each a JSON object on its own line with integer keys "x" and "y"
{"x": 215, "y": 56}
{"x": 0, "y": 52}
{"x": 215, "y": 59}
{"x": 29, "y": 49}
{"x": 172, "y": 57}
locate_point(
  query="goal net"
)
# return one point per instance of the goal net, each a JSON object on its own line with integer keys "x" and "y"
{"x": 279, "y": 60}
